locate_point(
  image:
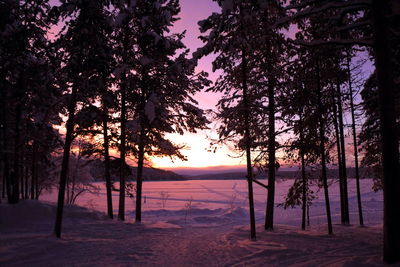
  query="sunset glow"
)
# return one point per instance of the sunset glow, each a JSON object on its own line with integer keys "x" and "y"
{"x": 198, "y": 154}
{"x": 199, "y": 133}
{"x": 198, "y": 144}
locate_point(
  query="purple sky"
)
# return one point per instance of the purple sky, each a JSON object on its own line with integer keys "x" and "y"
{"x": 193, "y": 11}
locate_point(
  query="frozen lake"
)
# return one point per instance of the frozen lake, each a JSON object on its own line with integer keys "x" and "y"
{"x": 192, "y": 223}
{"x": 229, "y": 195}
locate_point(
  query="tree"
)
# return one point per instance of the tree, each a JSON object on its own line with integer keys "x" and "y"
{"x": 26, "y": 72}
{"x": 91, "y": 128}
{"x": 370, "y": 137}
{"x": 299, "y": 112}
{"x": 83, "y": 45}
{"x": 229, "y": 37}
{"x": 125, "y": 50}
{"x": 166, "y": 82}
{"x": 252, "y": 60}
{"x": 381, "y": 33}
{"x": 354, "y": 132}
{"x": 271, "y": 55}
{"x": 385, "y": 47}
{"x": 79, "y": 180}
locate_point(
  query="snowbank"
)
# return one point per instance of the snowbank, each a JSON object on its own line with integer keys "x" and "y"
{"x": 28, "y": 213}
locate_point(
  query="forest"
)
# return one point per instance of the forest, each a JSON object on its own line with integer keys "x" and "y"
{"x": 313, "y": 84}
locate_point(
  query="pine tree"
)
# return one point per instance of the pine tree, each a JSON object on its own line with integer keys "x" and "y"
{"x": 379, "y": 30}
{"x": 166, "y": 81}
{"x": 24, "y": 73}
{"x": 299, "y": 113}
{"x": 229, "y": 38}
{"x": 385, "y": 13}
{"x": 354, "y": 132}
{"x": 125, "y": 48}
{"x": 252, "y": 60}
{"x": 370, "y": 137}
{"x": 83, "y": 46}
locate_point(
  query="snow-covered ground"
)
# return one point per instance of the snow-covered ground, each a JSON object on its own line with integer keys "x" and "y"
{"x": 191, "y": 223}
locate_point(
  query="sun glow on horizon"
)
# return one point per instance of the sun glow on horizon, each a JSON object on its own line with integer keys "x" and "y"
{"x": 198, "y": 153}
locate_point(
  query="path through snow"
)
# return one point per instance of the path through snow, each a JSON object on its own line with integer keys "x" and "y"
{"x": 89, "y": 239}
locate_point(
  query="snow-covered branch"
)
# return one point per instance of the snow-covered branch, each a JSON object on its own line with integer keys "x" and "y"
{"x": 316, "y": 43}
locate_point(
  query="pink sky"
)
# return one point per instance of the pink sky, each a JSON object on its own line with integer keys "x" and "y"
{"x": 198, "y": 144}
{"x": 191, "y": 12}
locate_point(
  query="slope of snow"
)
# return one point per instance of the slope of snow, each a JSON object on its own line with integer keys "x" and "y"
{"x": 214, "y": 233}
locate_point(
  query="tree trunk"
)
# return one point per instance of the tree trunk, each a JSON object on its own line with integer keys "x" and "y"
{"x": 139, "y": 177}
{"x": 21, "y": 171}
{"x": 303, "y": 175}
{"x": 7, "y": 178}
{"x": 2, "y": 143}
{"x": 269, "y": 217}
{"x": 26, "y": 193}
{"x": 107, "y": 174}
{"x": 339, "y": 154}
{"x": 4, "y": 182}
{"x": 33, "y": 169}
{"x": 322, "y": 151}
{"x": 247, "y": 136}
{"x": 248, "y": 147}
{"x": 65, "y": 160}
{"x": 37, "y": 189}
{"x": 14, "y": 197}
{"x": 5, "y": 143}
{"x": 353, "y": 127}
{"x": 121, "y": 208}
{"x": 141, "y": 152}
{"x": 346, "y": 217}
{"x": 338, "y": 148}
{"x": 389, "y": 132}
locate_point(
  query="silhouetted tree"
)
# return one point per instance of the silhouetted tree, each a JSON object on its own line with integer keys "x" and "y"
{"x": 26, "y": 73}
{"x": 166, "y": 79}
{"x": 381, "y": 33}
{"x": 83, "y": 44}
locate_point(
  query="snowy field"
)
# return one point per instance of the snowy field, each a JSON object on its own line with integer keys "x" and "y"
{"x": 191, "y": 223}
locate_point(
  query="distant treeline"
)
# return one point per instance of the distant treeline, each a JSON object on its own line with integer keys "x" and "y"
{"x": 96, "y": 170}
{"x": 292, "y": 174}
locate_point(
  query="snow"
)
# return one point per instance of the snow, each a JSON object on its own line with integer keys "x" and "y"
{"x": 201, "y": 23}
{"x": 263, "y": 3}
{"x": 133, "y": 3}
{"x": 150, "y": 108}
{"x": 157, "y": 5}
{"x": 150, "y": 111}
{"x": 119, "y": 19}
{"x": 144, "y": 21}
{"x": 133, "y": 126}
{"x": 212, "y": 36}
{"x": 144, "y": 60}
{"x": 119, "y": 70}
{"x": 167, "y": 15}
{"x": 155, "y": 36}
{"x": 200, "y": 223}
{"x": 227, "y": 6}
